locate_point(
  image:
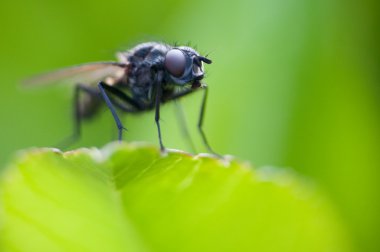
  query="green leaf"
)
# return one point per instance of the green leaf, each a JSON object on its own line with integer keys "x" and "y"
{"x": 132, "y": 198}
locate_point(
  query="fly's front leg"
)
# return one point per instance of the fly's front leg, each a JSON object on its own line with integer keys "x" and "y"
{"x": 157, "y": 114}
{"x": 183, "y": 125}
{"x": 201, "y": 115}
{"x": 200, "y": 122}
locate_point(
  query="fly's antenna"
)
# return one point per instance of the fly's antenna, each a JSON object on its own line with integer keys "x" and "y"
{"x": 205, "y": 60}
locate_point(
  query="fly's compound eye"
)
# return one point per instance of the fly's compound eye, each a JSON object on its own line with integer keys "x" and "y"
{"x": 175, "y": 62}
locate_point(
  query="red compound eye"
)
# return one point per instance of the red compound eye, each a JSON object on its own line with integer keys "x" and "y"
{"x": 175, "y": 62}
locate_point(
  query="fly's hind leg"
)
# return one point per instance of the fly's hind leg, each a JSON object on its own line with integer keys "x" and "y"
{"x": 79, "y": 113}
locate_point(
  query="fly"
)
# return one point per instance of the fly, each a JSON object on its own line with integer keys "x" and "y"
{"x": 142, "y": 79}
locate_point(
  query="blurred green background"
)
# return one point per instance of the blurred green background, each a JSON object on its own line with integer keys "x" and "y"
{"x": 293, "y": 84}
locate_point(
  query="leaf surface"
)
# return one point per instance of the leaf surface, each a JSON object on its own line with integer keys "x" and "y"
{"x": 129, "y": 197}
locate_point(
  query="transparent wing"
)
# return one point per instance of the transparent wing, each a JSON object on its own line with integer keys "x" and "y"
{"x": 88, "y": 74}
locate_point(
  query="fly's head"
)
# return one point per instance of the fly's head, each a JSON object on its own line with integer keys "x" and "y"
{"x": 185, "y": 65}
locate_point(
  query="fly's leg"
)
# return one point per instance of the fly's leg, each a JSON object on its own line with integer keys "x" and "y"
{"x": 129, "y": 104}
{"x": 77, "y": 114}
{"x": 157, "y": 114}
{"x": 200, "y": 122}
{"x": 183, "y": 125}
{"x": 201, "y": 115}
{"x": 103, "y": 87}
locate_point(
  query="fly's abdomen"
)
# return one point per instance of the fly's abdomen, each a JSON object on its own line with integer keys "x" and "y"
{"x": 88, "y": 106}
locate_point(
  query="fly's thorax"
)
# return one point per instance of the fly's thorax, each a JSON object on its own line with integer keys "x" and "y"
{"x": 144, "y": 60}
